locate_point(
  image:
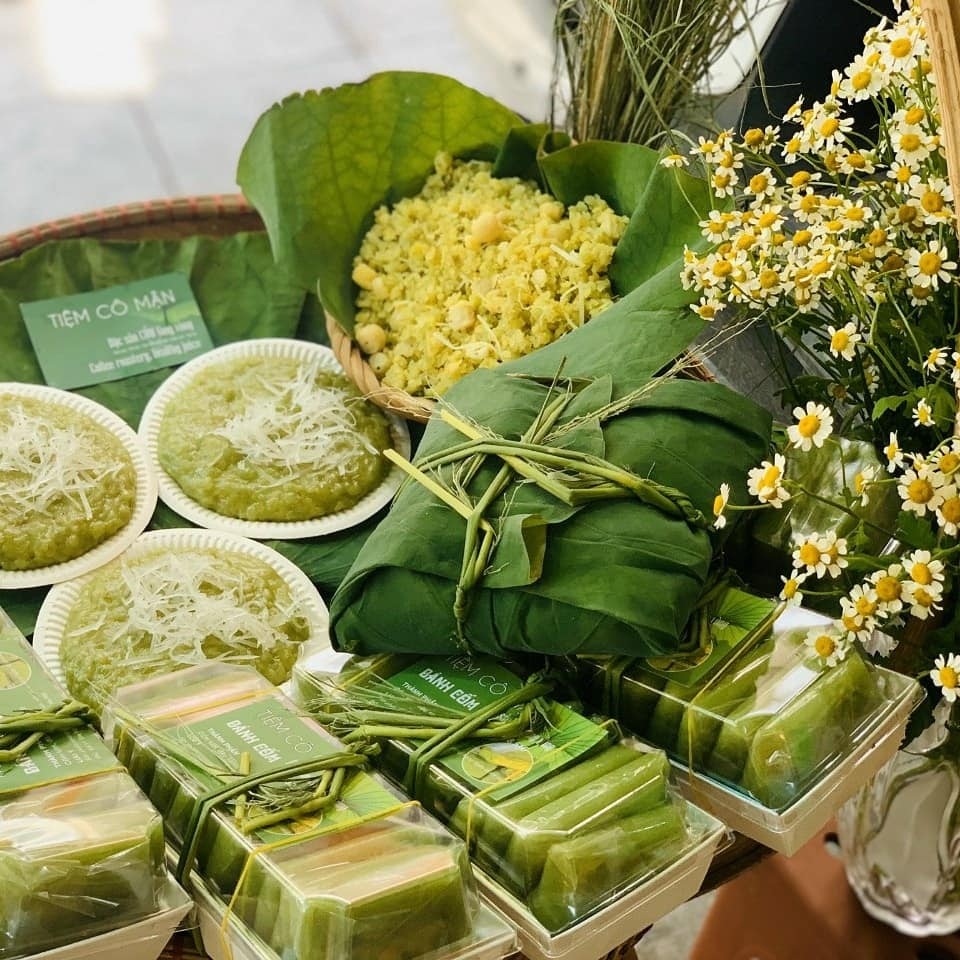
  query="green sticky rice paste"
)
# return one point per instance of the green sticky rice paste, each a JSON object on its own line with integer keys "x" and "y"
{"x": 164, "y": 610}
{"x": 66, "y": 483}
{"x": 272, "y": 439}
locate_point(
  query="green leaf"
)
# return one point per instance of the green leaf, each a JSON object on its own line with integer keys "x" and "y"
{"x": 618, "y": 576}
{"x": 885, "y": 404}
{"x": 916, "y": 532}
{"x": 317, "y": 165}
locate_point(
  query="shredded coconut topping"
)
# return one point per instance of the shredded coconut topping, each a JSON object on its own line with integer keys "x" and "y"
{"x": 295, "y": 424}
{"x": 41, "y": 464}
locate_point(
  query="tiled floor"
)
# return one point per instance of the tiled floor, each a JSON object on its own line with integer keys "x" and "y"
{"x": 216, "y": 66}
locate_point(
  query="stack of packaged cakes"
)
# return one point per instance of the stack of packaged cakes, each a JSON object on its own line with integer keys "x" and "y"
{"x": 290, "y": 847}
{"x": 81, "y": 849}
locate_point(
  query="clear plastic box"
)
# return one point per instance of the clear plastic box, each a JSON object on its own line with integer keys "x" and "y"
{"x": 80, "y": 856}
{"x": 372, "y": 876}
{"x": 573, "y": 858}
{"x": 775, "y": 741}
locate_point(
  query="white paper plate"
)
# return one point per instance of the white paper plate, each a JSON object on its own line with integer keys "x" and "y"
{"x": 56, "y": 606}
{"x": 144, "y": 503}
{"x": 177, "y": 500}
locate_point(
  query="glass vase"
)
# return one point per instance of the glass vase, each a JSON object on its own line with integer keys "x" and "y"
{"x": 900, "y": 835}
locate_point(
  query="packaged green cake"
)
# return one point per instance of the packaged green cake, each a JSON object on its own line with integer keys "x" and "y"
{"x": 81, "y": 848}
{"x": 556, "y": 809}
{"x": 314, "y": 856}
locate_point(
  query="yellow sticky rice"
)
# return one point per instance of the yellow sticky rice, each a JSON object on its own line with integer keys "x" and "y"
{"x": 475, "y": 270}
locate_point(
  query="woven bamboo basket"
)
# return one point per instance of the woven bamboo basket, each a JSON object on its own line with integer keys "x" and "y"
{"x": 169, "y": 219}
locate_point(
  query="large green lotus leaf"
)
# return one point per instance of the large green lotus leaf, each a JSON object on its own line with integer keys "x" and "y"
{"x": 318, "y": 164}
{"x": 241, "y": 294}
{"x": 618, "y": 577}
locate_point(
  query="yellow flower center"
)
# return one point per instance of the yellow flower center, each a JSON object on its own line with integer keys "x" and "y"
{"x": 893, "y": 263}
{"x": 753, "y": 137}
{"x": 856, "y": 160}
{"x": 840, "y": 341}
{"x": 808, "y": 425}
{"x": 929, "y": 263}
{"x": 907, "y": 213}
{"x": 949, "y": 462}
{"x": 951, "y": 510}
{"x": 767, "y": 219}
{"x": 831, "y": 161}
{"x": 745, "y": 241}
{"x": 802, "y": 237}
{"x": 931, "y": 201}
{"x": 721, "y": 180}
{"x": 914, "y": 115}
{"x": 922, "y": 598}
{"x": 909, "y": 142}
{"x": 759, "y": 183}
{"x": 770, "y": 478}
{"x": 793, "y": 146}
{"x": 851, "y": 622}
{"x": 824, "y": 645}
{"x": 768, "y": 279}
{"x": 819, "y": 267}
{"x": 829, "y": 127}
{"x": 919, "y": 490}
{"x": 809, "y": 554}
{"x": 790, "y": 588}
{"x": 719, "y": 502}
{"x": 888, "y": 589}
{"x": 707, "y": 311}
{"x": 866, "y": 607}
{"x": 891, "y": 450}
{"x": 921, "y": 573}
{"x": 800, "y": 179}
{"x": 921, "y": 293}
{"x": 722, "y": 268}
{"x": 861, "y": 79}
{"x": 856, "y": 214}
{"x": 810, "y": 203}
{"x": 900, "y": 47}
{"x": 877, "y": 237}
{"x": 948, "y": 678}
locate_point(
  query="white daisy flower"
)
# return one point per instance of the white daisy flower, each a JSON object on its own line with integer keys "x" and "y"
{"x": 919, "y": 489}
{"x": 765, "y": 482}
{"x": 936, "y": 359}
{"x": 790, "y": 592}
{"x": 828, "y": 644}
{"x": 930, "y": 267}
{"x": 719, "y": 505}
{"x": 948, "y": 513}
{"x": 922, "y": 569}
{"x": 814, "y": 424}
{"x": 888, "y": 586}
{"x": 946, "y": 675}
{"x": 843, "y": 341}
{"x": 893, "y": 453}
{"x": 923, "y": 414}
{"x": 674, "y": 160}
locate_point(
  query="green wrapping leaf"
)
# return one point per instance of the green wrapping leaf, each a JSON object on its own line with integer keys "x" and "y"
{"x": 241, "y": 295}
{"x": 317, "y": 165}
{"x": 619, "y": 576}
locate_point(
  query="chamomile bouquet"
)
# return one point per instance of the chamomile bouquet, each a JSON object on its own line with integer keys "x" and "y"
{"x": 843, "y": 242}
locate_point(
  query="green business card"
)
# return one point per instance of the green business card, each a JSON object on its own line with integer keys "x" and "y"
{"x": 116, "y": 332}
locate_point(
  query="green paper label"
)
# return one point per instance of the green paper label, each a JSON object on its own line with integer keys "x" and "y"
{"x": 24, "y": 686}
{"x": 116, "y": 332}
{"x": 499, "y": 769}
{"x": 273, "y": 737}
